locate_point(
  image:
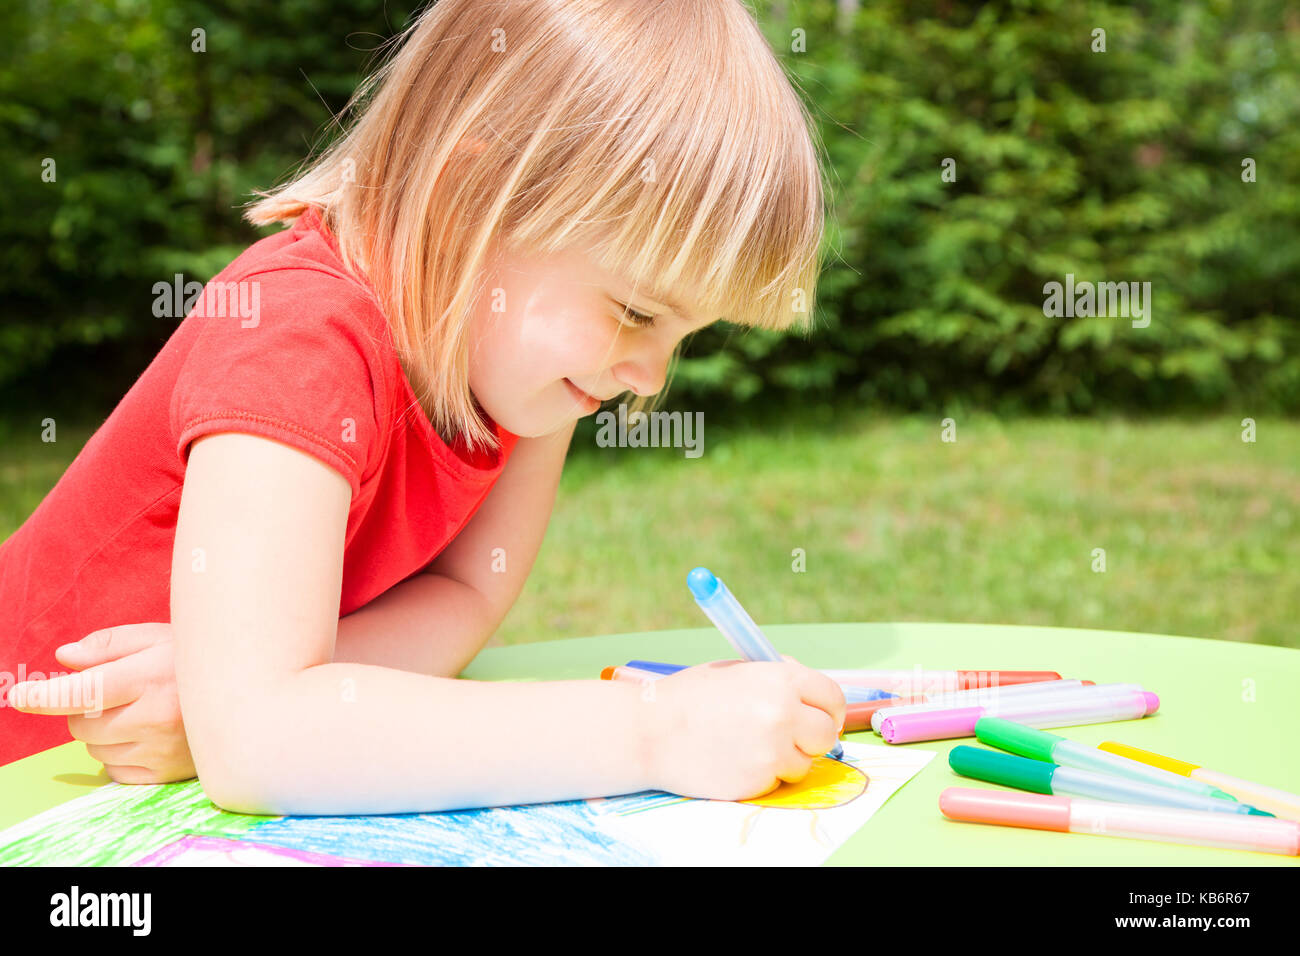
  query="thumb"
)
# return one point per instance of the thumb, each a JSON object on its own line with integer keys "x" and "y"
{"x": 110, "y": 643}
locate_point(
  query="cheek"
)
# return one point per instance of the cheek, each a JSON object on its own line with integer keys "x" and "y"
{"x": 494, "y": 362}
{"x": 563, "y": 344}
{"x": 513, "y": 358}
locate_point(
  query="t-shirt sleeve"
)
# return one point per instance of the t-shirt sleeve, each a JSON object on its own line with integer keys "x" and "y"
{"x": 296, "y": 361}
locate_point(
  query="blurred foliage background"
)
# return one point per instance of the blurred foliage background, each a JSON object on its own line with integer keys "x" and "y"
{"x": 1123, "y": 165}
{"x": 1119, "y": 166}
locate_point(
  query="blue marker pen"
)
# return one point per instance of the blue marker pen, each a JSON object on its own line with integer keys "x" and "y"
{"x": 736, "y": 626}
{"x": 861, "y": 695}
{"x": 657, "y": 667}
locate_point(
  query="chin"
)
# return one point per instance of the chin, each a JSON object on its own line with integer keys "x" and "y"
{"x": 527, "y": 426}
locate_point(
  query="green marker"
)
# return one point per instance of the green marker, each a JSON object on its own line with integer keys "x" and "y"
{"x": 1040, "y": 777}
{"x": 1028, "y": 742}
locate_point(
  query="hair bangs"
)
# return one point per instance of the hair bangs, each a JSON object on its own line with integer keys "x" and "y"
{"x": 704, "y": 188}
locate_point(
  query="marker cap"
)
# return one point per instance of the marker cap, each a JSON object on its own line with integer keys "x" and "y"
{"x": 1033, "y": 810}
{"x": 1017, "y": 738}
{"x": 1006, "y": 769}
{"x": 930, "y": 724}
{"x": 703, "y": 583}
{"x": 1147, "y": 757}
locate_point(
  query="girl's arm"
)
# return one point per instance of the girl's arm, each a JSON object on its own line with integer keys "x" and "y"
{"x": 437, "y": 622}
{"x": 276, "y": 727}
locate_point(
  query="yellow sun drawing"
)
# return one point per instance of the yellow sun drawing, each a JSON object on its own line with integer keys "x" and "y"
{"x": 830, "y": 783}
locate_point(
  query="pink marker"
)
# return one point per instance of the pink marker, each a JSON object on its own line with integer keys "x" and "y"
{"x": 1038, "y": 811}
{"x": 992, "y": 697}
{"x": 1090, "y": 706}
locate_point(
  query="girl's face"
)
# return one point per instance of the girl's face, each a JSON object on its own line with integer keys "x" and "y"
{"x": 550, "y": 340}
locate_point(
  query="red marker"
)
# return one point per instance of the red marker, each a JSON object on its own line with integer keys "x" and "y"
{"x": 916, "y": 681}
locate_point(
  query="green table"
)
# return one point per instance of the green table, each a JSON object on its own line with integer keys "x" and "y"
{"x": 1232, "y": 707}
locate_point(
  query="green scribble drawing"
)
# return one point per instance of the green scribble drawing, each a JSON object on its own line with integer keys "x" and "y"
{"x": 117, "y": 824}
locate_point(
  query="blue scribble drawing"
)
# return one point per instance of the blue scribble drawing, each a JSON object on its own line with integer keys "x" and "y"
{"x": 540, "y": 834}
{"x": 630, "y": 803}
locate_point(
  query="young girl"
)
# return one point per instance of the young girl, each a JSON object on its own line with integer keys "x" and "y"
{"x": 537, "y": 202}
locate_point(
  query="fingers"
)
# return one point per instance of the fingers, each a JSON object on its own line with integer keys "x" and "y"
{"x": 90, "y": 691}
{"x": 140, "y": 742}
{"x": 143, "y": 762}
{"x": 135, "y": 721}
{"x": 815, "y": 732}
{"x": 818, "y": 690}
{"x": 67, "y": 694}
{"x": 795, "y": 766}
{"x": 814, "y": 736}
{"x": 121, "y": 773}
{"x": 111, "y": 643}
{"x": 107, "y": 728}
{"x": 140, "y": 754}
{"x": 127, "y": 754}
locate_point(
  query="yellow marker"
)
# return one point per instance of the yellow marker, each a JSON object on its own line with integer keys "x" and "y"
{"x": 1278, "y": 802}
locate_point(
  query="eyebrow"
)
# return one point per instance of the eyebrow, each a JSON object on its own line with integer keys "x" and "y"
{"x": 672, "y": 304}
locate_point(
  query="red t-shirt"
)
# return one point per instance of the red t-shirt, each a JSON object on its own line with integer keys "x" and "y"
{"x": 306, "y": 358}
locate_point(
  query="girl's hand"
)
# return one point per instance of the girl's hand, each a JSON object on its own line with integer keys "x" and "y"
{"x": 123, "y": 704}
{"x": 733, "y": 730}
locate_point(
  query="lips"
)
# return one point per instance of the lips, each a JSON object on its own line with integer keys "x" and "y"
{"x": 589, "y": 402}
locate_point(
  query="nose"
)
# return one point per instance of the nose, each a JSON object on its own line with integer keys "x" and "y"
{"x": 644, "y": 374}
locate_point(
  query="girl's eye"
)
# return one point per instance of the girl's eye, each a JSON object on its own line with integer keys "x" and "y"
{"x": 639, "y": 319}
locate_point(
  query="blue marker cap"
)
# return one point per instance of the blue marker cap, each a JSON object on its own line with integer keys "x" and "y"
{"x": 702, "y": 583}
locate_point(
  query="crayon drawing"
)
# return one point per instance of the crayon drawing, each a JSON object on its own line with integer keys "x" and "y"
{"x": 538, "y": 834}
{"x": 220, "y": 851}
{"x": 176, "y": 825}
{"x": 116, "y": 824}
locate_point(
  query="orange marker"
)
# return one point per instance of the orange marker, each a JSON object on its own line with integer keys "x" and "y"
{"x": 857, "y": 717}
{"x": 628, "y": 673}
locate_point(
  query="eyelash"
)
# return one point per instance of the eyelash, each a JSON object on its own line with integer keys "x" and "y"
{"x": 639, "y": 319}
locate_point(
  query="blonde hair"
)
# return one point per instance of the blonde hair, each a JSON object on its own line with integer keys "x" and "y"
{"x": 663, "y": 137}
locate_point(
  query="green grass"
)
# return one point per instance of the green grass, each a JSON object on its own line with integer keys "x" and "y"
{"x": 29, "y": 467}
{"x": 1201, "y": 531}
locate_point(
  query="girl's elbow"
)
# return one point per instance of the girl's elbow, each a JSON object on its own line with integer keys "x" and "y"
{"x": 237, "y": 800}
{"x": 231, "y": 772}
{"x": 245, "y": 791}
